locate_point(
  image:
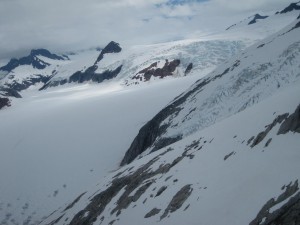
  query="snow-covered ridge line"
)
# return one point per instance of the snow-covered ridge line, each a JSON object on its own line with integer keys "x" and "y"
{"x": 196, "y": 178}
{"x": 257, "y": 73}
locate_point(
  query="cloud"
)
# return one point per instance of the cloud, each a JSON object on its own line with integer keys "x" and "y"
{"x": 64, "y": 25}
{"x": 238, "y": 5}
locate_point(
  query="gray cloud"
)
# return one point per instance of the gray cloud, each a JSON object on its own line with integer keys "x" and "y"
{"x": 63, "y": 25}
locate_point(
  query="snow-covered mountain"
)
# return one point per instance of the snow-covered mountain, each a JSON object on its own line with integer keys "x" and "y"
{"x": 224, "y": 151}
{"x": 20, "y": 74}
{"x": 263, "y": 25}
{"x": 132, "y": 65}
{"x": 247, "y": 79}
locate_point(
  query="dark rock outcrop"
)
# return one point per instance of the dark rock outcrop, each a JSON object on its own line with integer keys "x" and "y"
{"x": 153, "y": 212}
{"x": 32, "y": 59}
{"x": 54, "y": 83}
{"x": 228, "y": 28}
{"x": 9, "y": 92}
{"x": 188, "y": 69}
{"x": 136, "y": 182}
{"x": 149, "y": 135}
{"x": 46, "y": 53}
{"x": 287, "y": 214}
{"x": 26, "y": 83}
{"x": 112, "y": 47}
{"x": 229, "y": 155}
{"x": 74, "y": 202}
{"x": 291, "y": 123}
{"x": 257, "y": 17}
{"x": 177, "y": 201}
{"x": 261, "y": 136}
{"x": 295, "y": 27}
{"x": 160, "y": 191}
{"x": 152, "y": 70}
{"x": 4, "y": 102}
{"x": 291, "y": 7}
{"x": 90, "y": 74}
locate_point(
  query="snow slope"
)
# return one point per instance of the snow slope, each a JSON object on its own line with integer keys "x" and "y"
{"x": 221, "y": 147}
{"x": 237, "y": 168}
{"x": 134, "y": 59}
{"x": 56, "y": 142}
{"x": 211, "y": 177}
{"x": 245, "y": 80}
{"x": 134, "y": 64}
{"x": 27, "y": 75}
{"x": 256, "y": 29}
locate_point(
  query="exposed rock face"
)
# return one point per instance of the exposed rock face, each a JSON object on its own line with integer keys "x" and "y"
{"x": 8, "y": 92}
{"x": 257, "y": 17}
{"x": 229, "y": 155}
{"x": 161, "y": 190}
{"x": 28, "y": 82}
{"x": 54, "y": 84}
{"x": 32, "y": 60}
{"x": 90, "y": 74}
{"x": 153, "y": 212}
{"x": 137, "y": 182}
{"x": 188, "y": 69}
{"x": 287, "y": 214}
{"x": 291, "y": 123}
{"x": 74, "y": 202}
{"x": 261, "y": 136}
{"x": 149, "y": 134}
{"x": 4, "y": 102}
{"x": 291, "y": 7}
{"x": 5, "y": 95}
{"x": 178, "y": 200}
{"x": 112, "y": 47}
{"x": 152, "y": 70}
{"x": 296, "y": 26}
{"x": 46, "y": 53}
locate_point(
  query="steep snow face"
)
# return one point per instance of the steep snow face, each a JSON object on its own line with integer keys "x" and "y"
{"x": 40, "y": 66}
{"x": 221, "y": 150}
{"x": 204, "y": 55}
{"x": 261, "y": 26}
{"x": 126, "y": 65}
{"x": 247, "y": 79}
{"x": 228, "y": 173}
{"x": 57, "y": 142}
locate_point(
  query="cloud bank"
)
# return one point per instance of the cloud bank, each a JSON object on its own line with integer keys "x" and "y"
{"x": 64, "y": 25}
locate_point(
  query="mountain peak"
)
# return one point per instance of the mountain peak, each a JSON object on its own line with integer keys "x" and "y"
{"x": 31, "y": 60}
{"x": 291, "y": 7}
{"x": 112, "y": 47}
{"x": 257, "y": 17}
{"x": 46, "y": 53}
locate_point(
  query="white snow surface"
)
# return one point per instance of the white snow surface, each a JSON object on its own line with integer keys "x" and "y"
{"x": 206, "y": 53}
{"x": 230, "y": 191}
{"x": 57, "y": 142}
{"x": 248, "y": 78}
{"x": 59, "y": 69}
{"x": 65, "y": 141}
{"x": 230, "y": 179}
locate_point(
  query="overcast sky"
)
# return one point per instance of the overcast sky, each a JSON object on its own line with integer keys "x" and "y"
{"x": 64, "y": 25}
